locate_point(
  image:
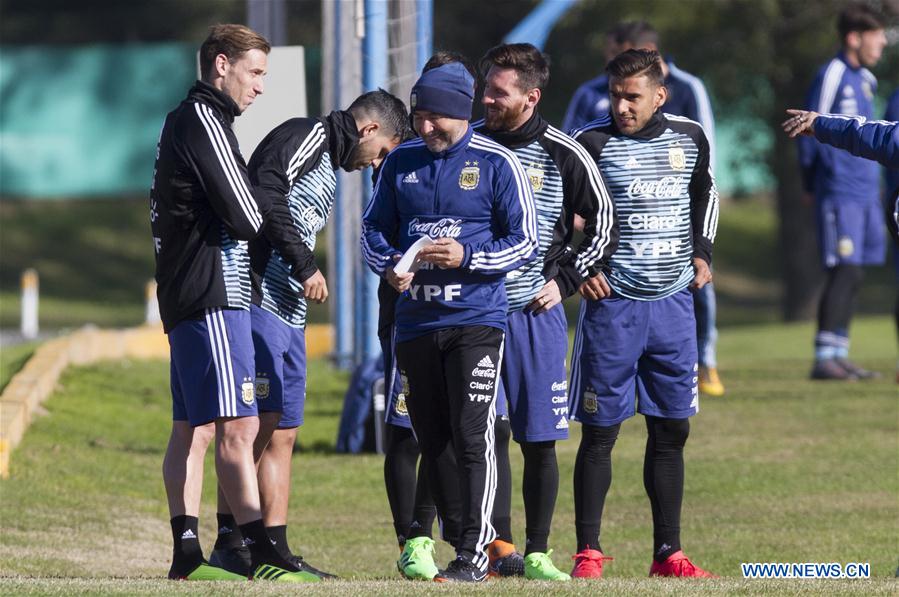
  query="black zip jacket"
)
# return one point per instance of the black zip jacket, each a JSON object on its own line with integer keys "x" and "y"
{"x": 202, "y": 209}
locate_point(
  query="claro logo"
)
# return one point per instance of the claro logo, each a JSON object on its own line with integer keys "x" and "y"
{"x": 442, "y": 228}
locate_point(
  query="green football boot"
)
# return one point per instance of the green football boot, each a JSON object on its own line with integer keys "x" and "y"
{"x": 538, "y": 566}
{"x": 276, "y": 574}
{"x": 206, "y": 572}
{"x": 417, "y": 559}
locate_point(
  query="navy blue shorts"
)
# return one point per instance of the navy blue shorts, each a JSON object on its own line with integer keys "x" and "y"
{"x": 212, "y": 369}
{"x": 534, "y": 377}
{"x": 280, "y": 367}
{"x": 628, "y": 351}
{"x": 851, "y": 233}
{"x": 395, "y": 387}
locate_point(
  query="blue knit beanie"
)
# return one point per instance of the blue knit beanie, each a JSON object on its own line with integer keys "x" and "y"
{"x": 447, "y": 90}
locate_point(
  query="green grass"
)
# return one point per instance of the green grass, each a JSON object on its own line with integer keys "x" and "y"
{"x": 12, "y": 359}
{"x": 781, "y": 469}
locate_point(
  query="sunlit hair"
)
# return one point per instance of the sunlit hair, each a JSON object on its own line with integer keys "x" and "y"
{"x": 231, "y": 40}
{"x": 531, "y": 64}
{"x": 636, "y": 63}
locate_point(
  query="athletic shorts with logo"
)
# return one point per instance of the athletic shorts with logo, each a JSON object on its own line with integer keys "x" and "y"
{"x": 534, "y": 379}
{"x": 280, "y": 367}
{"x": 851, "y": 232}
{"x": 635, "y": 356}
{"x": 212, "y": 370}
{"x": 395, "y": 390}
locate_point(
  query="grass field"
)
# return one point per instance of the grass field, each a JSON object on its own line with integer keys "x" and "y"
{"x": 781, "y": 469}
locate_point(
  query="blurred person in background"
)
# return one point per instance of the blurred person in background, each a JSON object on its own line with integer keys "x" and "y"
{"x": 845, "y": 189}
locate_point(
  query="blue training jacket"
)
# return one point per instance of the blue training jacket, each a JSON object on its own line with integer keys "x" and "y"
{"x": 828, "y": 172}
{"x": 475, "y": 192}
{"x": 892, "y": 114}
{"x": 871, "y": 139}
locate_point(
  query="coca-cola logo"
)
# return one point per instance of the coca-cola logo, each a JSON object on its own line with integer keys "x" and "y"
{"x": 442, "y": 228}
{"x": 667, "y": 187}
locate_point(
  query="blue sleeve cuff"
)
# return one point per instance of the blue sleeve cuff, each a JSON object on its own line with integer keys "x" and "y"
{"x": 466, "y": 256}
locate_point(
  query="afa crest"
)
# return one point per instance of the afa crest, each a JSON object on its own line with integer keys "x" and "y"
{"x": 405, "y": 387}
{"x": 535, "y": 175}
{"x": 469, "y": 177}
{"x": 262, "y": 386}
{"x": 676, "y": 157}
{"x": 400, "y": 406}
{"x": 247, "y": 391}
{"x": 590, "y": 404}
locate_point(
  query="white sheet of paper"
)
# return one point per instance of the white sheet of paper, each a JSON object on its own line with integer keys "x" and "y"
{"x": 409, "y": 262}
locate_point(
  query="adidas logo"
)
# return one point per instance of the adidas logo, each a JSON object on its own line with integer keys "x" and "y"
{"x": 632, "y": 163}
{"x": 188, "y": 534}
{"x": 485, "y": 362}
{"x": 562, "y": 424}
{"x": 410, "y": 178}
{"x": 225, "y": 530}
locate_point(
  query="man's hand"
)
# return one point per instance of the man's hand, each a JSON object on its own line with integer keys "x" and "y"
{"x": 548, "y": 297}
{"x": 702, "y": 275}
{"x": 596, "y": 288}
{"x": 445, "y": 253}
{"x": 800, "y": 123}
{"x": 400, "y": 282}
{"x": 315, "y": 288}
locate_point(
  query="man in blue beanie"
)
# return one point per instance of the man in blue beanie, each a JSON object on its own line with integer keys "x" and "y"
{"x": 471, "y": 198}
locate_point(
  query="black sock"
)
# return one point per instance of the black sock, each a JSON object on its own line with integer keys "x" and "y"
{"x": 186, "y": 553}
{"x": 663, "y": 478}
{"x": 400, "y": 457}
{"x": 229, "y": 536}
{"x": 838, "y": 298}
{"x": 278, "y": 535}
{"x": 261, "y": 549}
{"x": 540, "y": 488}
{"x": 592, "y": 478}
{"x": 502, "y": 501}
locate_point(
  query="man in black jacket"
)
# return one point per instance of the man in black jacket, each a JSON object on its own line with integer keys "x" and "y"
{"x": 202, "y": 212}
{"x": 293, "y": 168}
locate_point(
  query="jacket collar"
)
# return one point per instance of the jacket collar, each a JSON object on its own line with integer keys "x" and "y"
{"x": 343, "y": 137}
{"x": 220, "y": 101}
{"x": 523, "y": 136}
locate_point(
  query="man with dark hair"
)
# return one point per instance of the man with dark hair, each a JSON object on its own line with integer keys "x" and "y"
{"x": 845, "y": 190}
{"x": 293, "y": 169}
{"x": 465, "y": 200}
{"x": 201, "y": 212}
{"x": 687, "y": 97}
{"x": 565, "y": 182}
{"x": 639, "y": 344}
